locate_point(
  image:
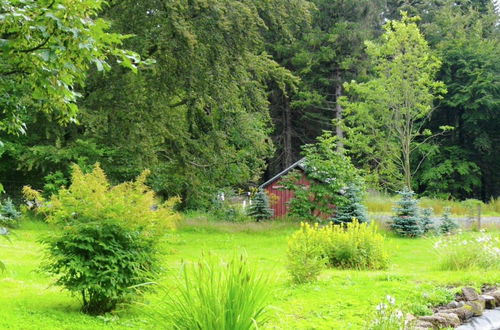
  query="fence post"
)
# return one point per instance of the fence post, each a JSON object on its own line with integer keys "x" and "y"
{"x": 478, "y": 216}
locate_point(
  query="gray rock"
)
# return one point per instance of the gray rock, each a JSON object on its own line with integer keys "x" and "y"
{"x": 455, "y": 304}
{"x": 464, "y": 313}
{"x": 469, "y": 293}
{"x": 423, "y": 325}
{"x": 496, "y": 294}
{"x": 489, "y": 301}
{"x": 489, "y": 321}
{"x": 477, "y": 307}
{"x": 442, "y": 320}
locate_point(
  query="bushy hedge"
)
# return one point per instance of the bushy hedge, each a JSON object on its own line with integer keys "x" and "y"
{"x": 352, "y": 245}
{"x": 105, "y": 237}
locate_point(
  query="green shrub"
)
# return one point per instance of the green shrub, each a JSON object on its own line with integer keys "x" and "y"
{"x": 463, "y": 252}
{"x": 354, "y": 245}
{"x": 426, "y": 221}
{"x": 214, "y": 294}
{"x": 9, "y": 215}
{"x": 305, "y": 254}
{"x": 106, "y": 237}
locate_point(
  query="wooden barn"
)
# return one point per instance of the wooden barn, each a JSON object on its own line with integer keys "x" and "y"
{"x": 273, "y": 187}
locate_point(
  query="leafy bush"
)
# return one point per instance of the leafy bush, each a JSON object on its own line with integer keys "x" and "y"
{"x": 214, "y": 294}
{"x": 226, "y": 209}
{"x": 331, "y": 172}
{"x": 9, "y": 215}
{"x": 389, "y": 317}
{"x": 305, "y": 254}
{"x": 354, "y": 245}
{"x": 462, "y": 252}
{"x": 107, "y": 237}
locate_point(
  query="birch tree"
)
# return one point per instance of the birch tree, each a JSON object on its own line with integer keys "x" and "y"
{"x": 386, "y": 114}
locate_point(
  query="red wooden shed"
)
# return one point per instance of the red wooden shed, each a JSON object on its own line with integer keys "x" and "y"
{"x": 273, "y": 187}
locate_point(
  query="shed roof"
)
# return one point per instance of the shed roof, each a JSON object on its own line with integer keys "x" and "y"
{"x": 298, "y": 164}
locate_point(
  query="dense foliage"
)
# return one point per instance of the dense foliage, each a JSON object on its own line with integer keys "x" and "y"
{"x": 217, "y": 294}
{"x": 329, "y": 174}
{"x": 9, "y": 215}
{"x": 353, "y": 246}
{"x": 105, "y": 237}
{"x": 240, "y": 86}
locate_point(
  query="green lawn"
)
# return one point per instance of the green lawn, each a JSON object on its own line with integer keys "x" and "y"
{"x": 339, "y": 300}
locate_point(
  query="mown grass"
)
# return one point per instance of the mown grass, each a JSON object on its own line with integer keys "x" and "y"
{"x": 340, "y": 299}
{"x": 383, "y": 203}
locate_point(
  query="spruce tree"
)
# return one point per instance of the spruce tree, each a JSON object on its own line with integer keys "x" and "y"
{"x": 447, "y": 225}
{"x": 259, "y": 209}
{"x": 352, "y": 207}
{"x": 426, "y": 221}
{"x": 406, "y": 221}
{"x": 8, "y": 214}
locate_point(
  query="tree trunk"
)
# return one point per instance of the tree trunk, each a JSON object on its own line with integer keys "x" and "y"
{"x": 338, "y": 112}
{"x": 287, "y": 129}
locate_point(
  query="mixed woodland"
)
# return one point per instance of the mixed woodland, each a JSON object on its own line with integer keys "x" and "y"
{"x": 221, "y": 94}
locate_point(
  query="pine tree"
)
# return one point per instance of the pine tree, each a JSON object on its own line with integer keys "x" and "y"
{"x": 8, "y": 214}
{"x": 426, "y": 221}
{"x": 259, "y": 209}
{"x": 352, "y": 208}
{"x": 406, "y": 222}
{"x": 447, "y": 224}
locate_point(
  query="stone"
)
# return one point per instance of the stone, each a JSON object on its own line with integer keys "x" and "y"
{"x": 464, "y": 313}
{"x": 423, "y": 325}
{"x": 442, "y": 320}
{"x": 455, "y": 304}
{"x": 496, "y": 294}
{"x": 477, "y": 307}
{"x": 469, "y": 293}
{"x": 489, "y": 301}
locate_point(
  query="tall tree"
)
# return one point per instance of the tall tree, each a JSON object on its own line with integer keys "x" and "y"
{"x": 398, "y": 100}
{"x": 46, "y": 49}
{"x": 465, "y": 164}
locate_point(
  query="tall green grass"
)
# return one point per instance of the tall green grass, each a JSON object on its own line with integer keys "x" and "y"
{"x": 383, "y": 203}
{"x": 215, "y": 294}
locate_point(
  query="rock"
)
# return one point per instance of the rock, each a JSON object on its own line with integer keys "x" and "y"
{"x": 469, "y": 293}
{"x": 496, "y": 294}
{"x": 455, "y": 304}
{"x": 423, "y": 325}
{"x": 489, "y": 301}
{"x": 477, "y": 307}
{"x": 442, "y": 320}
{"x": 464, "y": 313}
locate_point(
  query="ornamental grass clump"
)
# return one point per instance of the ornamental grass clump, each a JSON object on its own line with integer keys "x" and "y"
{"x": 217, "y": 294}
{"x": 105, "y": 238}
{"x": 354, "y": 245}
{"x": 464, "y": 252}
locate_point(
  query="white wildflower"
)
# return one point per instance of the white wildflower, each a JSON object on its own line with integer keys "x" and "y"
{"x": 391, "y": 300}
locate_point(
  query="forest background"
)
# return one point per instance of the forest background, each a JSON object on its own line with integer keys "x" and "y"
{"x": 233, "y": 89}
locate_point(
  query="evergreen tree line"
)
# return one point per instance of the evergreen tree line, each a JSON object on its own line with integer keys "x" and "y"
{"x": 233, "y": 89}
